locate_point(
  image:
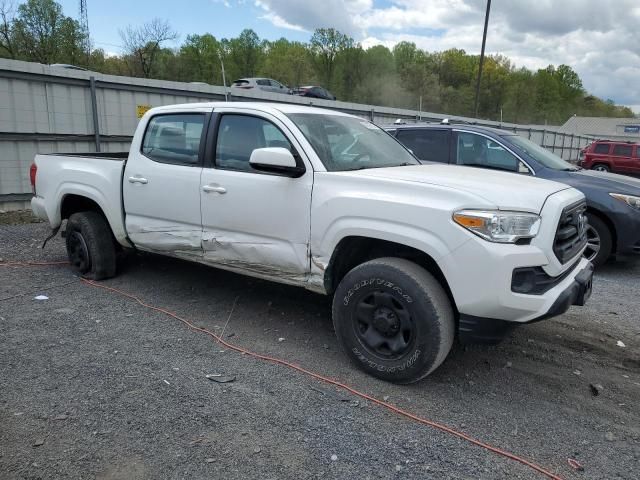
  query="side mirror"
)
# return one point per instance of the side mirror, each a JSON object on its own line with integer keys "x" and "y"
{"x": 276, "y": 160}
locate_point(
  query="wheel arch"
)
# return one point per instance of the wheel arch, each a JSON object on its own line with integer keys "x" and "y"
{"x": 352, "y": 251}
{"x": 610, "y": 225}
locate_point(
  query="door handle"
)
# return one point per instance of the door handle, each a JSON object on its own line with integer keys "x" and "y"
{"x": 214, "y": 189}
{"x": 138, "y": 180}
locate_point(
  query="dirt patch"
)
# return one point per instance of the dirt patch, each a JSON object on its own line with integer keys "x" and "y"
{"x": 18, "y": 217}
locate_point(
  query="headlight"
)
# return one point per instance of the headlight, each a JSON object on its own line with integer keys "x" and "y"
{"x": 633, "y": 202}
{"x": 497, "y": 226}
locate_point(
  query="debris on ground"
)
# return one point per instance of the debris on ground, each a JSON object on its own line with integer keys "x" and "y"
{"x": 334, "y": 457}
{"x": 620, "y": 344}
{"x": 219, "y": 378}
{"x": 38, "y": 442}
{"x": 596, "y": 388}
{"x": 44, "y": 297}
{"x": 281, "y": 339}
{"x": 575, "y": 464}
{"x": 210, "y": 460}
{"x": 257, "y": 450}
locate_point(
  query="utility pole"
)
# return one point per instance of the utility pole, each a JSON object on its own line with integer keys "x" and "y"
{"x": 484, "y": 41}
{"x": 224, "y": 78}
{"x": 84, "y": 28}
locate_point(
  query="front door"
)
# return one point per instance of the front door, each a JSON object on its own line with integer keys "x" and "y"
{"x": 161, "y": 186}
{"x": 254, "y": 221}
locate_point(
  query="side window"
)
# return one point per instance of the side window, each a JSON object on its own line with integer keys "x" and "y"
{"x": 174, "y": 138}
{"x": 637, "y": 151}
{"x": 426, "y": 144}
{"x": 601, "y": 148}
{"x": 622, "y": 150}
{"x": 240, "y": 135}
{"x": 275, "y": 84}
{"x": 264, "y": 83}
{"x": 480, "y": 151}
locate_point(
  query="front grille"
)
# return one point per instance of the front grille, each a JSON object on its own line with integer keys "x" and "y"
{"x": 571, "y": 235}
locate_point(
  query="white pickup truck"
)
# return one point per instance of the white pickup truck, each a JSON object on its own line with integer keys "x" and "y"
{"x": 412, "y": 254}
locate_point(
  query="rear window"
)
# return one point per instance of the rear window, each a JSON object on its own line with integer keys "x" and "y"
{"x": 237, "y": 83}
{"x": 601, "y": 148}
{"x": 622, "y": 150}
{"x": 174, "y": 138}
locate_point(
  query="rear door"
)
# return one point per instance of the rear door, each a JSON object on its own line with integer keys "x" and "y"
{"x": 254, "y": 221}
{"x": 426, "y": 143}
{"x": 621, "y": 157}
{"x": 161, "y": 184}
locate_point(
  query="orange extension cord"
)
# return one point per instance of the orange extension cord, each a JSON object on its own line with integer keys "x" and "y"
{"x": 309, "y": 373}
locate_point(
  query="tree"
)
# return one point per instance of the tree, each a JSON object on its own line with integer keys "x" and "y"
{"x": 43, "y": 33}
{"x": 243, "y": 54}
{"x": 286, "y": 61}
{"x": 7, "y": 32}
{"x": 199, "y": 59}
{"x": 326, "y": 44}
{"x": 142, "y": 44}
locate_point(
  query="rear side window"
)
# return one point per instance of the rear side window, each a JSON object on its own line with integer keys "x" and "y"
{"x": 264, "y": 83}
{"x": 239, "y": 83}
{"x": 174, "y": 138}
{"x": 601, "y": 148}
{"x": 432, "y": 145}
{"x": 622, "y": 150}
{"x": 638, "y": 151}
{"x": 240, "y": 135}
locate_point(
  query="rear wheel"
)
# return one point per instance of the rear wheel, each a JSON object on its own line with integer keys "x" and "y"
{"x": 599, "y": 241}
{"x": 90, "y": 245}
{"x": 393, "y": 319}
{"x": 601, "y": 167}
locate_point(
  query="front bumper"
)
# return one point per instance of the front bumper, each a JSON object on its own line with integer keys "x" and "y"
{"x": 474, "y": 329}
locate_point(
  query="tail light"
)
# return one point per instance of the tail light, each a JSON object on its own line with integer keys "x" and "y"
{"x": 33, "y": 170}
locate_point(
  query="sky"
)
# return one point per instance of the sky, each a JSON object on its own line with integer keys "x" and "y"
{"x": 599, "y": 39}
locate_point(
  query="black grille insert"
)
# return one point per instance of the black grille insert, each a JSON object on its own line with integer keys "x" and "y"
{"x": 571, "y": 235}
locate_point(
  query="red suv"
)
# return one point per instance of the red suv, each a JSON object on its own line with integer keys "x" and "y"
{"x": 611, "y": 156}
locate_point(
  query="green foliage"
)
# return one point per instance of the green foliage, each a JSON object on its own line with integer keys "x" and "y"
{"x": 405, "y": 76}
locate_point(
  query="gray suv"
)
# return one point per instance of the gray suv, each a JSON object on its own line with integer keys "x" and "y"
{"x": 264, "y": 84}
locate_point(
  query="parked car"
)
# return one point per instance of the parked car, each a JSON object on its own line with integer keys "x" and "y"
{"x": 314, "y": 92}
{"x": 611, "y": 156}
{"x": 613, "y": 201}
{"x": 328, "y": 201}
{"x": 264, "y": 84}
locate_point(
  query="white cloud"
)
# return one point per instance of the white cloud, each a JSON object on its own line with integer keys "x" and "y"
{"x": 600, "y": 41}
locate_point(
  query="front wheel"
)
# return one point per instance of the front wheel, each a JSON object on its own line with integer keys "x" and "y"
{"x": 601, "y": 167}
{"x": 393, "y": 319}
{"x": 599, "y": 241}
{"x": 90, "y": 245}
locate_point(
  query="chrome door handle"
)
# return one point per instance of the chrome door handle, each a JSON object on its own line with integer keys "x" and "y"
{"x": 138, "y": 180}
{"x": 214, "y": 188}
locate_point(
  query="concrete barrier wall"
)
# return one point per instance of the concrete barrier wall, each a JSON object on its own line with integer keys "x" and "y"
{"x": 54, "y": 110}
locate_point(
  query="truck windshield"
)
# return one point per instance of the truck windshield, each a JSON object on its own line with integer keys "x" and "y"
{"x": 542, "y": 155}
{"x": 349, "y": 143}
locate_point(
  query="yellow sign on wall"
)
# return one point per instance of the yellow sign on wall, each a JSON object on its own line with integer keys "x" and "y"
{"x": 142, "y": 109}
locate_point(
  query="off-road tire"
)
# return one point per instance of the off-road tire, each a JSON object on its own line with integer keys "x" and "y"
{"x": 412, "y": 293}
{"x": 89, "y": 232}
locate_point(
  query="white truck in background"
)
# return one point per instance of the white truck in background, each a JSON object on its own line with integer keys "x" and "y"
{"x": 412, "y": 254}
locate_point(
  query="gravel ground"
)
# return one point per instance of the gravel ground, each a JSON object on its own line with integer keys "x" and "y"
{"x": 93, "y": 385}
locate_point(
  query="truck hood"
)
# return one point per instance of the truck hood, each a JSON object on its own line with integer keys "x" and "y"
{"x": 507, "y": 191}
